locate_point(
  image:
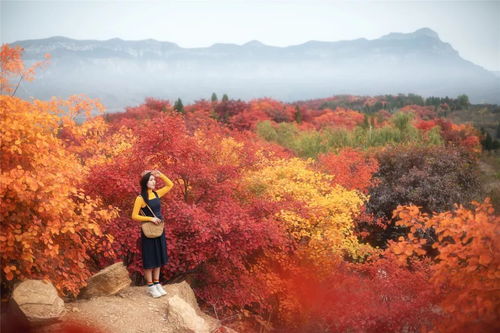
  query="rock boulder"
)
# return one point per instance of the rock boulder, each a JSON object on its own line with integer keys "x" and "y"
{"x": 39, "y": 301}
{"x": 106, "y": 282}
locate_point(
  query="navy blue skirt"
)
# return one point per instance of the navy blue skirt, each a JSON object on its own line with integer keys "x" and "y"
{"x": 154, "y": 251}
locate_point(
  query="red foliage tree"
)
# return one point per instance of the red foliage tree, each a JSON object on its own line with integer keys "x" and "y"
{"x": 351, "y": 168}
{"x": 211, "y": 235}
{"x": 341, "y": 117}
{"x": 275, "y": 110}
{"x": 376, "y": 296}
{"x": 248, "y": 120}
{"x": 225, "y": 110}
{"x": 463, "y": 135}
{"x": 150, "y": 109}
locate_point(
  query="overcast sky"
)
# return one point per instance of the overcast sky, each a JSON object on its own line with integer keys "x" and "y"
{"x": 471, "y": 27}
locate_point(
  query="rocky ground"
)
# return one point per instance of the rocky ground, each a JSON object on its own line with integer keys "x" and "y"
{"x": 130, "y": 310}
{"x": 134, "y": 310}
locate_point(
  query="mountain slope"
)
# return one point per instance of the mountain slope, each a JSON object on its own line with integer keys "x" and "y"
{"x": 123, "y": 73}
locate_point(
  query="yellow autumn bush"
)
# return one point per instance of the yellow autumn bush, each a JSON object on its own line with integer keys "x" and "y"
{"x": 326, "y": 222}
{"x": 320, "y": 226}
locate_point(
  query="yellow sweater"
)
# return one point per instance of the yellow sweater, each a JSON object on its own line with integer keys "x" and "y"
{"x": 139, "y": 201}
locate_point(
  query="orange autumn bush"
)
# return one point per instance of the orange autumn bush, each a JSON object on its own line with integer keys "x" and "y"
{"x": 95, "y": 142}
{"x": 466, "y": 268}
{"x": 50, "y": 227}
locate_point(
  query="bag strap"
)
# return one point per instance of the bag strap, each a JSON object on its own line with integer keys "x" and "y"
{"x": 149, "y": 210}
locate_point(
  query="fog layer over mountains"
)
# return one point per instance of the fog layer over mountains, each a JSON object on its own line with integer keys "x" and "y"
{"x": 122, "y": 73}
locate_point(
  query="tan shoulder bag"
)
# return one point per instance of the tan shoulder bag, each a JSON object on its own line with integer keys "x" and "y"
{"x": 150, "y": 229}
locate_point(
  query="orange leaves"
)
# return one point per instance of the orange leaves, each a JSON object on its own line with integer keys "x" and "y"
{"x": 485, "y": 258}
{"x": 467, "y": 261}
{"x": 12, "y": 68}
{"x": 397, "y": 249}
{"x": 403, "y": 249}
{"x": 40, "y": 205}
{"x": 406, "y": 214}
{"x": 8, "y": 270}
{"x": 93, "y": 141}
{"x": 10, "y": 58}
{"x": 409, "y": 216}
{"x": 39, "y": 180}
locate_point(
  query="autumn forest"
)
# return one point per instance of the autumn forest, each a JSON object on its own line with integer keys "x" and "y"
{"x": 342, "y": 214}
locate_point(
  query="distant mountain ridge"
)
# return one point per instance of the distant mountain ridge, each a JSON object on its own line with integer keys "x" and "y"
{"x": 123, "y": 73}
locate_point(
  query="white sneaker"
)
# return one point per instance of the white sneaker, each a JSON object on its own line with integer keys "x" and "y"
{"x": 160, "y": 289}
{"x": 154, "y": 291}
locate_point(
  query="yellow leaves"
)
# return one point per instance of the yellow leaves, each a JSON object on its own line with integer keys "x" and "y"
{"x": 229, "y": 151}
{"x": 90, "y": 141}
{"x": 95, "y": 228}
{"x": 325, "y": 223}
{"x": 32, "y": 183}
{"x": 291, "y": 177}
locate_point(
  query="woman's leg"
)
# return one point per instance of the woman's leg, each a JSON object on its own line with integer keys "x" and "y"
{"x": 156, "y": 274}
{"x": 152, "y": 288}
{"x": 148, "y": 275}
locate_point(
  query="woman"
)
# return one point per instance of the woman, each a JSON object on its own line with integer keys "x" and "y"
{"x": 154, "y": 250}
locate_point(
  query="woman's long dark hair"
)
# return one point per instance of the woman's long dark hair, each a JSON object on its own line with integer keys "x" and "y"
{"x": 144, "y": 187}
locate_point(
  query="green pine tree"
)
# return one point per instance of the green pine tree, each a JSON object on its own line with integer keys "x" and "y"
{"x": 365, "y": 123}
{"x": 463, "y": 101}
{"x": 178, "y": 106}
{"x": 486, "y": 140}
{"x": 225, "y": 98}
{"x": 214, "y": 98}
{"x": 298, "y": 115}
